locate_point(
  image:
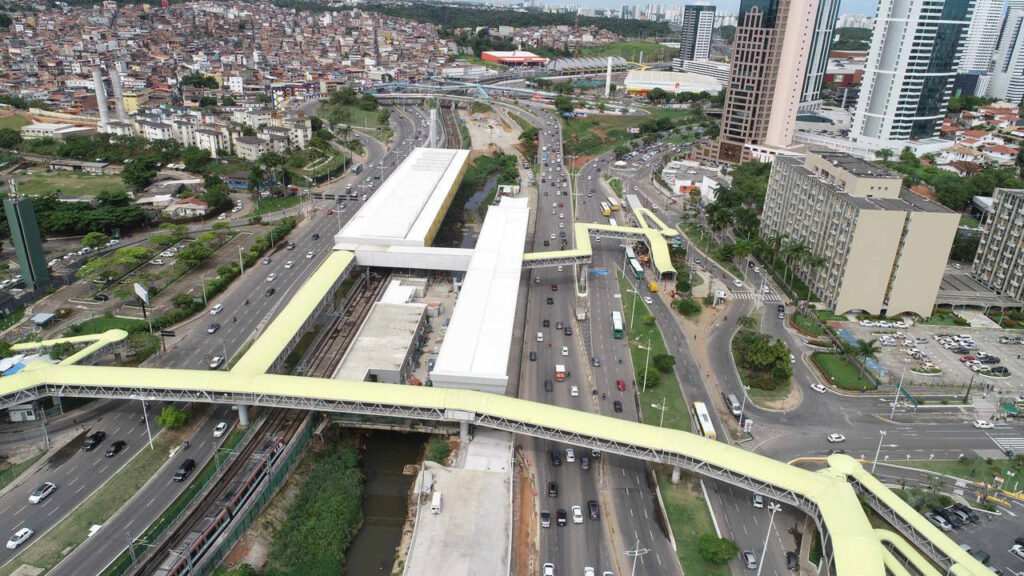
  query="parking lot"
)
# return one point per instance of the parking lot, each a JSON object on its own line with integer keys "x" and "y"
{"x": 895, "y": 357}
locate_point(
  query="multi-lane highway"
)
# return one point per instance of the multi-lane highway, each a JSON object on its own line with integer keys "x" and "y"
{"x": 77, "y": 474}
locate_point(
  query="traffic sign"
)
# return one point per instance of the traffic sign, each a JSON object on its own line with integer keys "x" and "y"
{"x": 168, "y": 333}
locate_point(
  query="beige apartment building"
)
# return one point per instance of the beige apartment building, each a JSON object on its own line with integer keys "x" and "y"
{"x": 999, "y": 263}
{"x": 878, "y": 247}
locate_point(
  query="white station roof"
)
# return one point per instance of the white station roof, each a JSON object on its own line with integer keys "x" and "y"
{"x": 406, "y": 209}
{"x": 474, "y": 354}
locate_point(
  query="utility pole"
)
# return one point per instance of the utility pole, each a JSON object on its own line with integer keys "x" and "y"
{"x": 878, "y": 450}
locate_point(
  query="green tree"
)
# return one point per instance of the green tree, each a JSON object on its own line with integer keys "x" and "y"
{"x": 717, "y": 550}
{"x": 884, "y": 154}
{"x": 9, "y": 138}
{"x": 140, "y": 173}
{"x": 194, "y": 254}
{"x": 620, "y": 150}
{"x": 61, "y": 350}
{"x": 438, "y": 449}
{"x": 195, "y": 159}
{"x": 563, "y": 103}
{"x": 5, "y": 349}
{"x": 663, "y": 362}
{"x": 865, "y": 350}
{"x": 95, "y": 239}
{"x": 688, "y": 307}
{"x": 172, "y": 418}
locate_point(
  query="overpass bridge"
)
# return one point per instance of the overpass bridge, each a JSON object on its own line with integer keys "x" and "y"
{"x": 830, "y": 497}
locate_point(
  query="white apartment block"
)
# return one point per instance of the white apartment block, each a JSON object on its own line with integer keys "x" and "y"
{"x": 882, "y": 248}
{"x": 999, "y": 262}
{"x": 982, "y": 36}
{"x": 1008, "y": 74}
{"x": 915, "y": 52}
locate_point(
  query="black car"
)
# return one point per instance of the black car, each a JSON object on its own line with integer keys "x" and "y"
{"x": 552, "y": 489}
{"x": 548, "y": 386}
{"x": 547, "y": 243}
{"x": 546, "y": 323}
{"x": 551, "y": 300}
{"x": 101, "y": 297}
{"x": 184, "y": 470}
{"x": 562, "y": 517}
{"x": 594, "y": 509}
{"x": 1000, "y": 370}
{"x": 568, "y": 331}
{"x": 595, "y": 362}
{"x": 93, "y": 440}
{"x": 617, "y": 406}
{"x": 270, "y": 291}
{"x": 981, "y": 556}
{"x": 792, "y": 561}
{"x": 989, "y": 360}
{"x": 316, "y": 236}
{"x": 533, "y": 356}
{"x": 556, "y": 457}
{"x": 545, "y": 519}
{"x": 559, "y": 325}
{"x": 213, "y": 328}
{"x": 1017, "y": 540}
{"x": 584, "y": 463}
{"x": 115, "y": 447}
{"x": 953, "y": 519}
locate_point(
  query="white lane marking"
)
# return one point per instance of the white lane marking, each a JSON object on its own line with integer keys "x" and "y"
{"x": 55, "y": 508}
{"x": 20, "y": 510}
{"x": 80, "y": 488}
{"x": 73, "y": 480}
{"x": 104, "y": 469}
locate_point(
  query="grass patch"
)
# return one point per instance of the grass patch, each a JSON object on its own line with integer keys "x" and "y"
{"x": 616, "y": 186}
{"x": 688, "y": 517}
{"x": 841, "y": 372}
{"x": 677, "y": 413}
{"x": 13, "y": 318}
{"x": 14, "y": 122}
{"x": 228, "y": 166}
{"x": 70, "y": 184}
{"x": 829, "y": 316}
{"x": 808, "y": 325}
{"x": 103, "y": 323}
{"x": 480, "y": 108}
{"x": 9, "y": 474}
{"x": 977, "y": 468}
{"x": 350, "y": 114}
{"x": 276, "y": 203}
{"x": 475, "y": 60}
{"x": 968, "y": 220}
{"x": 943, "y": 317}
{"x": 599, "y": 133}
{"x": 48, "y": 550}
{"x": 630, "y": 50}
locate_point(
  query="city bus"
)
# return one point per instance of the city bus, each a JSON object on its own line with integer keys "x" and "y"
{"x": 616, "y": 324}
{"x": 703, "y": 419}
{"x": 638, "y": 270}
{"x": 614, "y": 204}
{"x": 612, "y": 222}
{"x": 606, "y": 209}
{"x": 630, "y": 254}
{"x": 357, "y": 168}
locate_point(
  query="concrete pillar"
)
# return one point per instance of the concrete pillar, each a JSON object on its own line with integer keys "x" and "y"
{"x": 243, "y": 416}
{"x": 464, "y": 432}
{"x": 676, "y": 474}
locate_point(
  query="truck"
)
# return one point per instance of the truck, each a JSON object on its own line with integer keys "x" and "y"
{"x": 560, "y": 372}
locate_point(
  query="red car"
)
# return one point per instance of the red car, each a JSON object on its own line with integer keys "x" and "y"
{"x": 967, "y": 358}
{"x": 621, "y": 384}
{"x": 554, "y": 287}
{"x": 330, "y": 212}
{"x": 561, "y": 205}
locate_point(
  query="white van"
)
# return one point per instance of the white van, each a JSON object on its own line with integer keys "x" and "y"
{"x": 734, "y": 404}
{"x": 540, "y": 336}
{"x": 435, "y": 503}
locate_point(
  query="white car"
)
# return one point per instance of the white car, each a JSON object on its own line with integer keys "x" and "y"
{"x": 1017, "y": 551}
{"x": 574, "y": 390}
{"x": 835, "y": 438}
{"x": 216, "y": 309}
{"x": 19, "y": 538}
{"x": 271, "y": 277}
{"x": 648, "y": 300}
{"x": 737, "y": 283}
{"x": 565, "y": 350}
{"x": 570, "y": 455}
{"x": 220, "y": 429}
{"x": 765, "y": 289}
{"x": 982, "y": 424}
{"x": 42, "y": 492}
{"x": 289, "y": 263}
{"x": 819, "y": 388}
{"x": 216, "y": 362}
{"x": 157, "y": 262}
{"x": 577, "y": 515}
{"x": 549, "y": 569}
{"x": 222, "y": 217}
{"x": 309, "y": 254}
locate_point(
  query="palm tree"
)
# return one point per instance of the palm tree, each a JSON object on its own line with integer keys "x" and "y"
{"x": 814, "y": 263}
{"x": 775, "y": 243}
{"x": 795, "y": 253}
{"x": 866, "y": 350}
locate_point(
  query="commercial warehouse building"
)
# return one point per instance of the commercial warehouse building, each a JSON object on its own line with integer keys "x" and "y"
{"x": 514, "y": 58}
{"x": 640, "y": 82}
{"x": 874, "y": 245}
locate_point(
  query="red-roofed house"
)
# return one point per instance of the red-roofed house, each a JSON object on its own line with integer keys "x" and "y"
{"x": 1000, "y": 154}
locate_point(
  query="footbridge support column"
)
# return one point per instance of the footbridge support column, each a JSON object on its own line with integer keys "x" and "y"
{"x": 677, "y": 474}
{"x": 464, "y": 419}
{"x": 463, "y": 433}
{"x": 243, "y": 416}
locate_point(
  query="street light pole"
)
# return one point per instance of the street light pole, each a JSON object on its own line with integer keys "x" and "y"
{"x": 46, "y": 435}
{"x": 764, "y": 549}
{"x": 202, "y": 282}
{"x": 145, "y": 417}
{"x": 635, "y": 553}
{"x": 898, "y": 390}
{"x": 646, "y": 363}
{"x": 241, "y": 262}
{"x": 878, "y": 450}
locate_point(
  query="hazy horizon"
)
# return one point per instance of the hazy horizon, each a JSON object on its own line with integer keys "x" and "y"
{"x": 847, "y": 6}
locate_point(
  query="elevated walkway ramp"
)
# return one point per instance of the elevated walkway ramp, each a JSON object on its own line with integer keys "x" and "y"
{"x": 584, "y": 251}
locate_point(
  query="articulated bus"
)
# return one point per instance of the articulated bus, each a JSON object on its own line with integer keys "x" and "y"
{"x": 614, "y": 204}
{"x": 606, "y": 209}
{"x": 700, "y": 414}
{"x": 616, "y": 324}
{"x": 638, "y": 270}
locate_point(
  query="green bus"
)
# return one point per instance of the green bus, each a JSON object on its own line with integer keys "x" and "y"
{"x": 616, "y": 324}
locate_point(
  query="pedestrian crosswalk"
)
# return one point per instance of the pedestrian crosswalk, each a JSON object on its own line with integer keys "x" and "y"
{"x": 769, "y": 297}
{"x": 1015, "y": 444}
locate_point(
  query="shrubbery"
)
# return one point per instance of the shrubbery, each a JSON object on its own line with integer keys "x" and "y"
{"x": 438, "y": 449}
{"x": 717, "y": 550}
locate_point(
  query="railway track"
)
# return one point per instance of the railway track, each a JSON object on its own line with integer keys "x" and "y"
{"x": 452, "y": 134}
{"x": 183, "y": 548}
{"x": 326, "y": 356}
